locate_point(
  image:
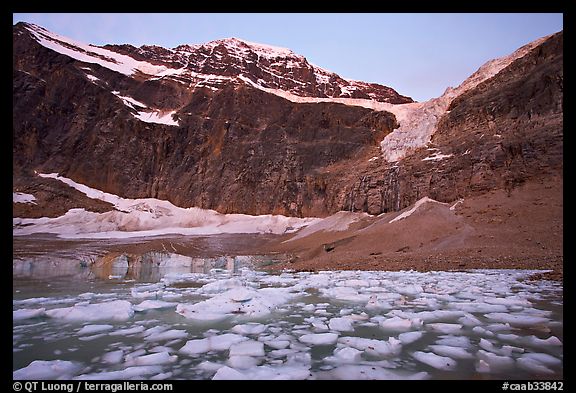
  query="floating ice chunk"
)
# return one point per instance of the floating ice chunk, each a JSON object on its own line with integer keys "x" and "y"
{"x": 249, "y": 328}
{"x": 280, "y": 353}
{"x": 34, "y": 300}
{"x": 228, "y": 373}
{"x": 535, "y": 341}
{"x": 153, "y": 305}
{"x": 282, "y": 372}
{"x": 364, "y": 372}
{"x": 220, "y": 342}
{"x": 345, "y": 294}
{"x": 498, "y": 327}
{"x": 410, "y": 337}
{"x": 209, "y": 366}
{"x": 319, "y": 326}
{"x": 128, "y": 331}
{"x": 162, "y": 376}
{"x": 506, "y": 350}
{"x": 353, "y": 283}
{"x": 161, "y": 348}
{"x": 136, "y": 372}
{"x": 469, "y": 320}
{"x": 483, "y": 332}
{"x": 496, "y": 362}
{"x": 242, "y": 301}
{"x": 345, "y": 355}
{"x": 151, "y": 290}
{"x": 281, "y": 280}
{"x": 428, "y": 316}
{"x": 222, "y": 285}
{"x": 28, "y": 313}
{"x": 167, "y": 335}
{"x": 478, "y": 307}
{"x": 433, "y": 360}
{"x": 90, "y": 338}
{"x": 48, "y": 369}
{"x": 396, "y": 324}
{"x": 544, "y": 358}
{"x": 91, "y": 329}
{"x": 410, "y": 289}
{"x": 482, "y": 366}
{"x": 508, "y": 301}
{"x": 375, "y": 303}
{"x": 508, "y": 337}
{"x": 114, "y": 357}
{"x": 247, "y": 348}
{"x": 446, "y": 328}
{"x": 452, "y": 352}
{"x": 319, "y": 338}
{"x": 117, "y": 310}
{"x": 278, "y": 344}
{"x": 152, "y": 359}
{"x": 517, "y": 320}
{"x": 341, "y": 324}
{"x": 171, "y": 278}
{"x": 533, "y": 366}
{"x": 242, "y": 361}
{"x": 378, "y": 347}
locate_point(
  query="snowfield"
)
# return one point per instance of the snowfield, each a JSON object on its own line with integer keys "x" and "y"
{"x": 149, "y": 217}
{"x": 296, "y": 325}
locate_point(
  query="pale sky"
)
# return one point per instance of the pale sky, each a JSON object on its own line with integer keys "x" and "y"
{"x": 418, "y": 55}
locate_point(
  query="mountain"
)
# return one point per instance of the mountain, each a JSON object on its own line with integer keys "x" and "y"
{"x": 241, "y": 127}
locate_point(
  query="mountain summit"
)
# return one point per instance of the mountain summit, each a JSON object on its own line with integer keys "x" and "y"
{"x": 240, "y": 127}
{"x": 216, "y": 63}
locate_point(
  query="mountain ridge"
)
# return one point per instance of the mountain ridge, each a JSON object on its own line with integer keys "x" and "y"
{"x": 226, "y": 142}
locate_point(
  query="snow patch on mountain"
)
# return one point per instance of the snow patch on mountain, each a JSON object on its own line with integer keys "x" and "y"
{"x": 21, "y": 197}
{"x": 149, "y": 217}
{"x": 92, "y": 54}
{"x": 158, "y": 117}
{"x": 240, "y": 47}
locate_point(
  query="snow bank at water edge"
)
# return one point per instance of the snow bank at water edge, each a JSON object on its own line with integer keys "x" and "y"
{"x": 149, "y": 217}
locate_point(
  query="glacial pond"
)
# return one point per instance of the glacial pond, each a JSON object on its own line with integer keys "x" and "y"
{"x": 220, "y": 317}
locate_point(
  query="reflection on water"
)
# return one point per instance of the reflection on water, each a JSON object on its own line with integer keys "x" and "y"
{"x": 109, "y": 310}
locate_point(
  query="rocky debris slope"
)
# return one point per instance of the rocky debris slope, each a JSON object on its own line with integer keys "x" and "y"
{"x": 521, "y": 230}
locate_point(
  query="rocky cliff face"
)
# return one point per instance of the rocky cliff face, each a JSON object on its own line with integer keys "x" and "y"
{"x": 202, "y": 126}
{"x": 504, "y": 132}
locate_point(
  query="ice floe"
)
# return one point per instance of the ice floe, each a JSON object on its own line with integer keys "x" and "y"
{"x": 239, "y": 301}
{"x": 26, "y": 313}
{"x": 383, "y": 348}
{"x": 436, "y": 361}
{"x": 247, "y": 348}
{"x": 341, "y": 324}
{"x": 221, "y": 342}
{"x": 319, "y": 338}
{"x": 298, "y": 325}
{"x": 91, "y": 329}
{"x": 153, "y": 305}
{"x": 48, "y": 369}
{"x": 117, "y": 310}
{"x": 152, "y": 359}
